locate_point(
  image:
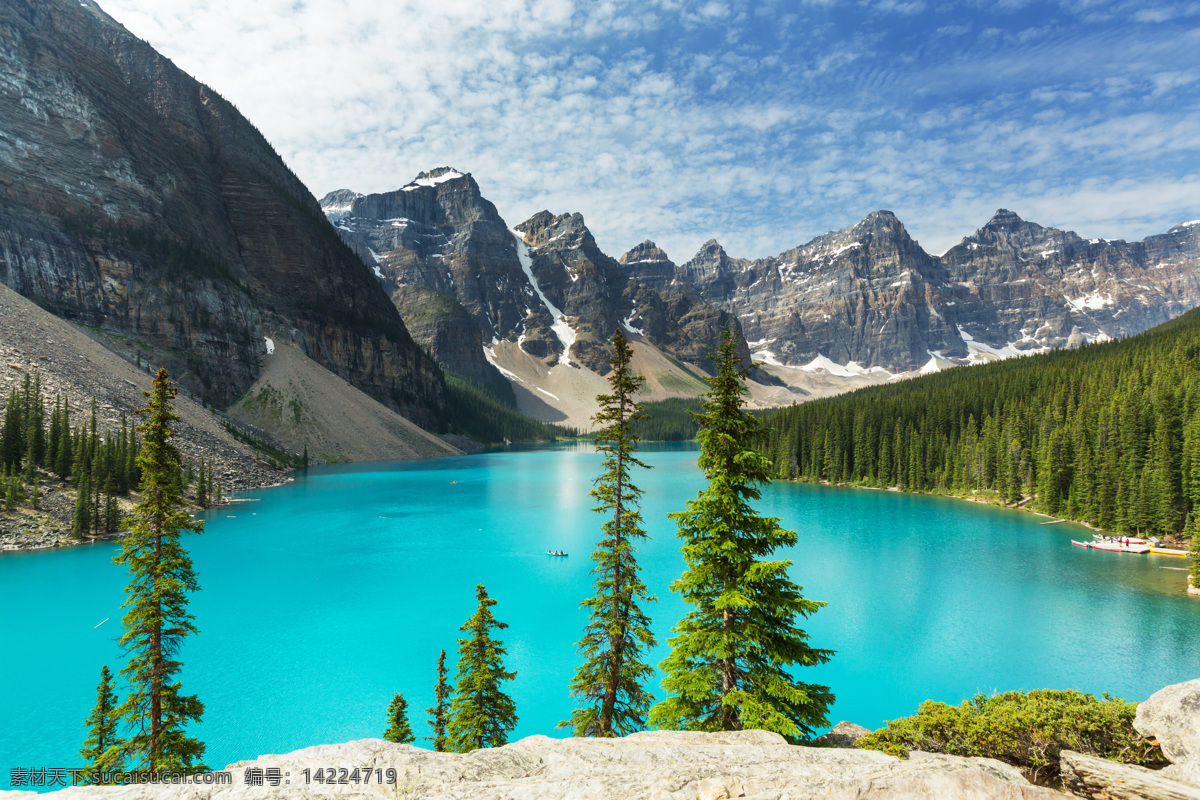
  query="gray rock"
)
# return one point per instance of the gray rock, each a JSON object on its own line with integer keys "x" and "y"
{"x": 659, "y": 765}
{"x": 137, "y": 201}
{"x": 870, "y": 294}
{"x": 455, "y": 270}
{"x": 1172, "y": 717}
{"x": 844, "y": 734}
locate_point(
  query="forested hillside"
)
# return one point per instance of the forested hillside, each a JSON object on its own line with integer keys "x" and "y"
{"x": 1108, "y": 434}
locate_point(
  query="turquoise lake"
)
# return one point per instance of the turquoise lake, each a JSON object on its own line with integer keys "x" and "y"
{"x": 322, "y": 598}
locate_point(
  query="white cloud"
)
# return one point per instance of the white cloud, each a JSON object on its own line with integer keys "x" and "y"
{"x": 679, "y": 120}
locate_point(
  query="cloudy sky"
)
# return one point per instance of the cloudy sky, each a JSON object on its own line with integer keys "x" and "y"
{"x": 758, "y": 124}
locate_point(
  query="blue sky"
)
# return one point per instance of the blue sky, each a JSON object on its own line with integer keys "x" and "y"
{"x": 758, "y": 124}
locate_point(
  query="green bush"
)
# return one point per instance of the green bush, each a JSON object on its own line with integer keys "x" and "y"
{"x": 1026, "y": 730}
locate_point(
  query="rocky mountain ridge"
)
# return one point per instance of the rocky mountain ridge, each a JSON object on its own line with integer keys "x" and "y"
{"x": 866, "y": 302}
{"x": 444, "y": 254}
{"x": 869, "y": 297}
{"x": 136, "y": 200}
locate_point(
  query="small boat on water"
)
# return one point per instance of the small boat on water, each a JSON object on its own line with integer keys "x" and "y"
{"x": 1167, "y": 551}
{"x": 1084, "y": 545}
{"x": 1119, "y": 539}
{"x": 1117, "y": 547}
{"x": 556, "y": 553}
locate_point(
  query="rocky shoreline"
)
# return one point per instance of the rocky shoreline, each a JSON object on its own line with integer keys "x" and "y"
{"x": 677, "y": 765}
{"x": 69, "y": 364}
{"x": 50, "y": 525}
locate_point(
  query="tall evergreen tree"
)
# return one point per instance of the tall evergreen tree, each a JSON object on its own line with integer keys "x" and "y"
{"x": 608, "y": 685}
{"x": 202, "y": 487}
{"x": 157, "y": 620}
{"x": 399, "y": 731}
{"x": 82, "y": 523}
{"x": 481, "y": 714}
{"x": 729, "y": 661}
{"x": 1194, "y": 552}
{"x": 64, "y": 459}
{"x": 11, "y": 438}
{"x": 102, "y": 750}
{"x": 52, "y": 438}
{"x": 440, "y": 709}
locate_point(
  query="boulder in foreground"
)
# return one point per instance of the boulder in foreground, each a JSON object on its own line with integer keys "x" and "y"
{"x": 651, "y": 765}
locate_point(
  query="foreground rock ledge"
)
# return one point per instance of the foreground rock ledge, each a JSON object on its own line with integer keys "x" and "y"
{"x": 649, "y": 766}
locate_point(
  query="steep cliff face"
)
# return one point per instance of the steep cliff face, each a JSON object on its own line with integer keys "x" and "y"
{"x": 1015, "y": 281}
{"x": 544, "y": 285}
{"x": 440, "y": 248}
{"x": 868, "y": 297}
{"x": 135, "y": 199}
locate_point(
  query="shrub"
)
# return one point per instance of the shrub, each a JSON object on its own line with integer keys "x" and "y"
{"x": 1026, "y": 730}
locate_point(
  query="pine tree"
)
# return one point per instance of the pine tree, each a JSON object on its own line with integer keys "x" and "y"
{"x": 481, "y": 714}
{"x": 11, "y": 439}
{"x": 399, "y": 731}
{"x": 440, "y": 708}
{"x": 157, "y": 620}
{"x": 102, "y": 750}
{"x": 729, "y": 661}
{"x": 65, "y": 458}
{"x": 112, "y": 511}
{"x": 55, "y": 434}
{"x": 1194, "y": 550}
{"x": 12, "y": 494}
{"x": 82, "y": 524}
{"x": 608, "y": 685}
{"x": 202, "y": 487}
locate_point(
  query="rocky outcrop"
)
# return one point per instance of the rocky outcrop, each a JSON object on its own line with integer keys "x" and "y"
{"x": 440, "y": 248}
{"x": 1101, "y": 779}
{"x": 598, "y": 292}
{"x": 660, "y": 765}
{"x": 72, "y": 366}
{"x": 1171, "y": 716}
{"x": 844, "y": 734}
{"x": 1016, "y": 281}
{"x": 870, "y": 296}
{"x": 136, "y": 200}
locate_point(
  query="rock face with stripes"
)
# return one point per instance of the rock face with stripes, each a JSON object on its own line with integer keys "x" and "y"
{"x": 136, "y": 200}
{"x": 870, "y": 297}
{"x": 445, "y": 255}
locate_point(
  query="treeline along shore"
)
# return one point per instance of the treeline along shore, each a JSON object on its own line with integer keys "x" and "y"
{"x": 1107, "y": 435}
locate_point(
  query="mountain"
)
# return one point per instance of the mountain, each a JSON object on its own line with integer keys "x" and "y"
{"x": 1107, "y": 434}
{"x": 138, "y": 202}
{"x": 869, "y": 299}
{"x": 524, "y": 310}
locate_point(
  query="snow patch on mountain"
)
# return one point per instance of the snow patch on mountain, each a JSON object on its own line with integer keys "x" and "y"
{"x": 564, "y": 332}
{"x": 1094, "y": 301}
{"x": 628, "y": 323}
{"x": 335, "y": 211}
{"x": 980, "y": 352}
{"x": 378, "y": 272}
{"x": 433, "y": 181}
{"x": 490, "y": 355}
{"x": 850, "y": 370}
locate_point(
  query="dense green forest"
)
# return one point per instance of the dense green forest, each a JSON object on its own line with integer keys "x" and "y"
{"x": 665, "y": 420}
{"x": 101, "y": 467}
{"x": 476, "y": 412}
{"x": 1108, "y": 434}
{"x": 669, "y": 420}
